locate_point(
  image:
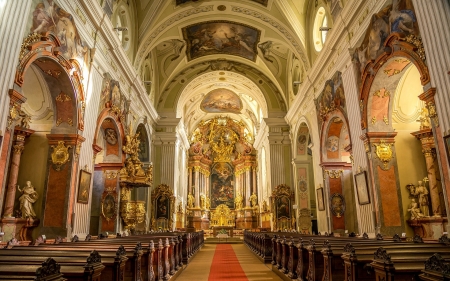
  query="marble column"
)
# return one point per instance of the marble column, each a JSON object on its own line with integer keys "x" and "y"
{"x": 197, "y": 188}
{"x": 18, "y": 146}
{"x": 254, "y": 180}
{"x": 189, "y": 180}
{"x": 248, "y": 189}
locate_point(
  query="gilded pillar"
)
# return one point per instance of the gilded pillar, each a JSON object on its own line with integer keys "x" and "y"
{"x": 18, "y": 146}
{"x": 429, "y": 151}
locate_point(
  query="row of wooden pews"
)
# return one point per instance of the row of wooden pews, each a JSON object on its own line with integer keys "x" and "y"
{"x": 324, "y": 257}
{"x": 153, "y": 256}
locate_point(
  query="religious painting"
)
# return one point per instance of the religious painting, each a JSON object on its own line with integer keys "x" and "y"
{"x": 337, "y": 205}
{"x": 111, "y": 95}
{"x": 222, "y": 189}
{"x": 221, "y": 37}
{"x": 331, "y": 99}
{"x": 109, "y": 207}
{"x": 84, "y": 187}
{"x": 283, "y": 207}
{"x": 111, "y": 136}
{"x": 143, "y": 144}
{"x": 399, "y": 17}
{"x": 221, "y": 101}
{"x": 319, "y": 198}
{"x": 48, "y": 16}
{"x": 179, "y": 2}
{"x": 162, "y": 207}
{"x": 361, "y": 188}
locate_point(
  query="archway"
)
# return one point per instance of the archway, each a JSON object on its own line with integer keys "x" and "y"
{"x": 47, "y": 104}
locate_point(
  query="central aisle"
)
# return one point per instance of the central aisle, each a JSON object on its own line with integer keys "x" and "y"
{"x": 216, "y": 262}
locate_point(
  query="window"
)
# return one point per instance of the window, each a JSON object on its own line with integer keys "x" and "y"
{"x": 320, "y": 20}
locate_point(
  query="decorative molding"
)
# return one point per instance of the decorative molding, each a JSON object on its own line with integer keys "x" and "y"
{"x": 60, "y": 155}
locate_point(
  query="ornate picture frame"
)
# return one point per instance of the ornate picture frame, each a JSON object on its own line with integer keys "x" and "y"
{"x": 337, "y": 205}
{"x": 320, "y": 200}
{"x": 447, "y": 146}
{"x": 362, "y": 188}
{"x": 84, "y": 187}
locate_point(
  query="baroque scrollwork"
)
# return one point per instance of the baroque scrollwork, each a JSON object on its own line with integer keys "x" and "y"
{"x": 384, "y": 152}
{"x": 60, "y": 155}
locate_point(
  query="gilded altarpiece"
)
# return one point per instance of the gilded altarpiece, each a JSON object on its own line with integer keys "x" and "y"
{"x": 222, "y": 165}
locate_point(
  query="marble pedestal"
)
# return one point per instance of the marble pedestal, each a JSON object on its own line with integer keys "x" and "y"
{"x": 205, "y": 224}
{"x": 18, "y": 228}
{"x": 431, "y": 227}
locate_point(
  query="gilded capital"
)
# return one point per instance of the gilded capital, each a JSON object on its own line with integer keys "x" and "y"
{"x": 18, "y": 148}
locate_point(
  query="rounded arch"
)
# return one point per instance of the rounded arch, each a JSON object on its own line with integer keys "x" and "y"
{"x": 64, "y": 75}
{"x": 334, "y": 138}
{"x": 409, "y": 47}
{"x": 105, "y": 114}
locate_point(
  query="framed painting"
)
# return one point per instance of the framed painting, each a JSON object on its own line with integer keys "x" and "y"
{"x": 447, "y": 146}
{"x": 320, "y": 202}
{"x": 109, "y": 207}
{"x": 84, "y": 187}
{"x": 222, "y": 38}
{"x": 361, "y": 188}
{"x": 162, "y": 207}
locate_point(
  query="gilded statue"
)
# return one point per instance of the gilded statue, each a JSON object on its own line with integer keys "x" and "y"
{"x": 414, "y": 210}
{"x": 207, "y": 203}
{"x": 25, "y": 120}
{"x": 238, "y": 201}
{"x": 253, "y": 199}
{"x": 202, "y": 201}
{"x": 28, "y": 198}
{"x": 190, "y": 200}
{"x": 424, "y": 119}
{"x": 264, "y": 206}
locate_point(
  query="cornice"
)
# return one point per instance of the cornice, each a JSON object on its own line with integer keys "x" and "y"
{"x": 150, "y": 16}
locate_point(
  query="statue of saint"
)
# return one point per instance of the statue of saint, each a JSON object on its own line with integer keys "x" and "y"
{"x": 207, "y": 203}
{"x": 414, "y": 210}
{"x": 293, "y": 222}
{"x": 424, "y": 119}
{"x": 190, "y": 200}
{"x": 202, "y": 201}
{"x": 422, "y": 194}
{"x": 253, "y": 199}
{"x": 238, "y": 201}
{"x": 28, "y": 198}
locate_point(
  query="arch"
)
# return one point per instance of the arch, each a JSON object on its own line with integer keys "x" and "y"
{"x": 396, "y": 45}
{"x": 107, "y": 113}
{"x": 42, "y": 50}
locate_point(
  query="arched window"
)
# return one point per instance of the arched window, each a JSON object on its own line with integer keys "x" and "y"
{"x": 319, "y": 36}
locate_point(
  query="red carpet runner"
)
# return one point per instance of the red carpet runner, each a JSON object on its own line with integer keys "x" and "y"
{"x": 225, "y": 265}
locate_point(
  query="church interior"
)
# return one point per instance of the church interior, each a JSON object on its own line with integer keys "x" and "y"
{"x": 250, "y": 140}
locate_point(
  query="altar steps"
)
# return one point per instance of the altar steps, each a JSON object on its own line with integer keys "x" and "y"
{"x": 230, "y": 240}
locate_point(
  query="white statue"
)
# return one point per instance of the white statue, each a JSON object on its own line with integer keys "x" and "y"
{"x": 414, "y": 210}
{"x": 28, "y": 198}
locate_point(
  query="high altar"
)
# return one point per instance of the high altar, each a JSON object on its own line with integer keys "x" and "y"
{"x": 222, "y": 182}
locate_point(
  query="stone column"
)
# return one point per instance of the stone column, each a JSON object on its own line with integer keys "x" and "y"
{"x": 434, "y": 25}
{"x": 248, "y": 189}
{"x": 196, "y": 187}
{"x": 428, "y": 148}
{"x": 189, "y": 180}
{"x": 254, "y": 180}
{"x": 18, "y": 146}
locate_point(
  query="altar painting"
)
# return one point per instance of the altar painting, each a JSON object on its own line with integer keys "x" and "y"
{"x": 283, "y": 207}
{"x": 162, "y": 207}
{"x": 222, "y": 189}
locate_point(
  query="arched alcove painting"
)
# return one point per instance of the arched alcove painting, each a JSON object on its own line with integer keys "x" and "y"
{"x": 221, "y": 101}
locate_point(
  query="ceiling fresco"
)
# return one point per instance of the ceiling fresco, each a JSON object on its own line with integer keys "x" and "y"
{"x": 221, "y": 37}
{"x": 179, "y": 2}
{"x": 221, "y": 101}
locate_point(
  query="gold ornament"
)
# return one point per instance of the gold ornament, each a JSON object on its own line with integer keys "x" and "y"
{"x": 60, "y": 155}
{"x": 384, "y": 152}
